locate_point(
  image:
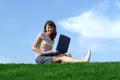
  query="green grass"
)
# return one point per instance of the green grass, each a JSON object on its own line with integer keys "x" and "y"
{"x": 65, "y": 71}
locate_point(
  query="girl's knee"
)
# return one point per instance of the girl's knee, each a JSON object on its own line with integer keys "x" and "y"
{"x": 68, "y": 54}
{"x": 58, "y": 58}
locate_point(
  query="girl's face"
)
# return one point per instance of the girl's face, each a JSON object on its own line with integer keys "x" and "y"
{"x": 49, "y": 29}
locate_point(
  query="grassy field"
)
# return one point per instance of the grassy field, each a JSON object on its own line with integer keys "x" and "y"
{"x": 65, "y": 71}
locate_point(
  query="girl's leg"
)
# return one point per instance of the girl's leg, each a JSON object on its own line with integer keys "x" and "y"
{"x": 64, "y": 58}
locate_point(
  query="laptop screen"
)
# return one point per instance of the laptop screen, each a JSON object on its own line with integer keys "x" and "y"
{"x": 63, "y": 44}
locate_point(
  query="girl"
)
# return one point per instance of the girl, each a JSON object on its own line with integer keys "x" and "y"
{"x": 44, "y": 43}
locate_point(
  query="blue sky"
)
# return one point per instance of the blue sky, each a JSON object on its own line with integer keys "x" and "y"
{"x": 91, "y": 25}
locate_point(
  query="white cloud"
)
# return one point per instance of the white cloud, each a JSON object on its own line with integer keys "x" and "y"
{"x": 5, "y": 59}
{"x": 95, "y": 24}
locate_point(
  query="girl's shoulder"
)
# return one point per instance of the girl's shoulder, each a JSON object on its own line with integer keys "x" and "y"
{"x": 41, "y": 35}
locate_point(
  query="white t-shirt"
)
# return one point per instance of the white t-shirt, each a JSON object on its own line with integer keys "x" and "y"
{"x": 46, "y": 43}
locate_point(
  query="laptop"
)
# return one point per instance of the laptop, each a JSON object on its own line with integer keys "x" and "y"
{"x": 62, "y": 46}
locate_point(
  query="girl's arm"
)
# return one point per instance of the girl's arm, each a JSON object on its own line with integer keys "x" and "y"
{"x": 36, "y": 43}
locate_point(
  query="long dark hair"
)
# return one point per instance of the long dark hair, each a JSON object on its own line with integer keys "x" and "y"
{"x": 54, "y": 33}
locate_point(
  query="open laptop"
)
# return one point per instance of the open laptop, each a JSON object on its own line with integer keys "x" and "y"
{"x": 62, "y": 46}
